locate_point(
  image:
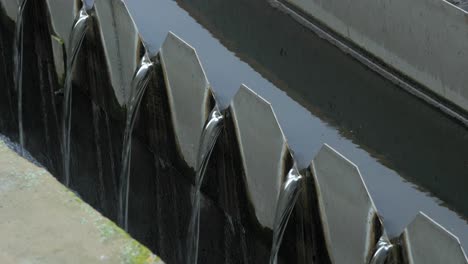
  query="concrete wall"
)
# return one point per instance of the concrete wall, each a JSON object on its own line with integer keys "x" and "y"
{"x": 250, "y": 160}
{"x": 424, "y": 39}
{"x": 44, "y": 222}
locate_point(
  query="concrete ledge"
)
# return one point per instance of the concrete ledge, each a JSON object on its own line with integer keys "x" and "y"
{"x": 423, "y": 39}
{"x": 43, "y": 222}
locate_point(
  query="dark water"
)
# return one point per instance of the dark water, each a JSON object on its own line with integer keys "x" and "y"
{"x": 412, "y": 157}
{"x": 290, "y": 191}
{"x": 208, "y": 138}
{"x": 77, "y": 35}
{"x": 19, "y": 67}
{"x": 139, "y": 83}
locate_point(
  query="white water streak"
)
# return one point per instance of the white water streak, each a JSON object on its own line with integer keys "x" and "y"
{"x": 208, "y": 138}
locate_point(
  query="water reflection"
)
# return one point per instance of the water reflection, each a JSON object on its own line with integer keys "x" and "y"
{"x": 391, "y": 136}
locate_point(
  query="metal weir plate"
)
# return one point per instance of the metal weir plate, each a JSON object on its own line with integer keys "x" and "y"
{"x": 348, "y": 214}
{"x": 122, "y": 45}
{"x": 11, "y": 7}
{"x": 189, "y": 94}
{"x": 264, "y": 151}
{"x": 62, "y": 15}
{"x": 425, "y": 241}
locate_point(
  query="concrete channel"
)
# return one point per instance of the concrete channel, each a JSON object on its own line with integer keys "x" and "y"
{"x": 398, "y": 155}
{"x": 318, "y": 96}
{"x": 44, "y": 222}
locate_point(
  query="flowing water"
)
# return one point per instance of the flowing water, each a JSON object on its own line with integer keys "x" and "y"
{"x": 208, "y": 138}
{"x": 289, "y": 192}
{"x": 410, "y": 154}
{"x": 139, "y": 83}
{"x": 76, "y": 39}
{"x": 19, "y": 68}
{"x": 383, "y": 251}
{"x": 410, "y": 137}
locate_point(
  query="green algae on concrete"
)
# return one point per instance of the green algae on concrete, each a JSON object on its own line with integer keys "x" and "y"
{"x": 43, "y": 222}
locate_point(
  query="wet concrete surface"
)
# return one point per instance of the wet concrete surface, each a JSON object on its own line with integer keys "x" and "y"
{"x": 412, "y": 157}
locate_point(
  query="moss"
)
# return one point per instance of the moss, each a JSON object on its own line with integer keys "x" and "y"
{"x": 61, "y": 80}
{"x": 3, "y": 146}
{"x": 132, "y": 252}
{"x": 117, "y": 242}
{"x": 58, "y": 39}
{"x": 31, "y": 177}
{"x": 59, "y": 43}
{"x": 135, "y": 253}
{"x": 109, "y": 230}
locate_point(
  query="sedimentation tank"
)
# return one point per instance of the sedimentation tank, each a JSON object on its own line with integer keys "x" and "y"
{"x": 220, "y": 131}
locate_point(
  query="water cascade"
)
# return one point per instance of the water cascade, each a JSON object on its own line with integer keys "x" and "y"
{"x": 383, "y": 251}
{"x": 254, "y": 189}
{"x": 18, "y": 55}
{"x": 77, "y": 35}
{"x": 289, "y": 192}
{"x": 210, "y": 133}
{"x": 138, "y": 87}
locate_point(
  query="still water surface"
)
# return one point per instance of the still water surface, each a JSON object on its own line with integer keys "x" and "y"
{"x": 320, "y": 95}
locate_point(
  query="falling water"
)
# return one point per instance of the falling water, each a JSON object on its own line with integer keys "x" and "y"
{"x": 76, "y": 39}
{"x": 208, "y": 138}
{"x": 289, "y": 192}
{"x": 139, "y": 84}
{"x": 19, "y": 68}
{"x": 384, "y": 249}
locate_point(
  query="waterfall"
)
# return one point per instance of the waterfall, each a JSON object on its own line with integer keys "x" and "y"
{"x": 138, "y": 87}
{"x": 18, "y": 55}
{"x": 289, "y": 192}
{"x": 209, "y": 135}
{"x": 384, "y": 249}
{"x": 76, "y": 39}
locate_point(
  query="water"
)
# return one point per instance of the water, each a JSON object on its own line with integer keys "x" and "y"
{"x": 77, "y": 35}
{"x": 383, "y": 250}
{"x": 412, "y": 157}
{"x": 99, "y": 154}
{"x": 139, "y": 83}
{"x": 209, "y": 135}
{"x": 19, "y": 68}
{"x": 290, "y": 190}
{"x": 20, "y": 150}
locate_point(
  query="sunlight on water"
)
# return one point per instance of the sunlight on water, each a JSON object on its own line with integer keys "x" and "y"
{"x": 208, "y": 138}
{"x": 139, "y": 83}
{"x": 76, "y": 40}
{"x": 289, "y": 192}
{"x": 19, "y": 68}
